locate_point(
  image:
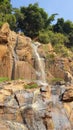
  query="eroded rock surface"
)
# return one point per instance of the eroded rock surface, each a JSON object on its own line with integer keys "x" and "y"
{"x": 33, "y": 109}
{"x": 67, "y": 98}
{"x": 24, "y": 109}
{"x": 15, "y": 55}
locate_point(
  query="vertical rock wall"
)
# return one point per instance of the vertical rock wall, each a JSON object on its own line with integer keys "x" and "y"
{"x": 15, "y": 55}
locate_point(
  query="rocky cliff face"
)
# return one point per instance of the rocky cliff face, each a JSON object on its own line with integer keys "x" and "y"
{"x": 36, "y": 108}
{"x": 15, "y": 55}
{"x": 57, "y": 67}
{"x": 42, "y": 108}
{"x": 17, "y": 61}
{"x": 22, "y": 109}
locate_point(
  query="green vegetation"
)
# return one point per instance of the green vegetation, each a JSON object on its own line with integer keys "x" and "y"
{"x": 34, "y": 22}
{"x": 2, "y": 79}
{"x": 56, "y": 80}
{"x": 31, "y": 86}
{"x": 43, "y": 37}
{"x": 61, "y": 50}
{"x": 6, "y": 13}
{"x": 65, "y": 28}
{"x": 32, "y": 19}
{"x": 50, "y": 58}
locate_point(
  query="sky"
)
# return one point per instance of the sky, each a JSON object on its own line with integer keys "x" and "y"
{"x": 64, "y": 8}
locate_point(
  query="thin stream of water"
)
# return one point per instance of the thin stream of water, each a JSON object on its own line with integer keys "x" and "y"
{"x": 41, "y": 70}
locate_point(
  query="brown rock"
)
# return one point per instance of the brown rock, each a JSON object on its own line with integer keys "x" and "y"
{"x": 24, "y": 70}
{"x": 71, "y": 117}
{"x": 67, "y": 96}
{"x": 4, "y": 32}
{"x": 12, "y": 55}
{"x": 60, "y": 68}
{"x": 3, "y": 126}
{"x": 8, "y": 125}
{"x": 5, "y": 62}
{"x": 5, "y": 29}
{"x": 68, "y": 77}
{"x": 69, "y": 111}
{"x": 24, "y": 49}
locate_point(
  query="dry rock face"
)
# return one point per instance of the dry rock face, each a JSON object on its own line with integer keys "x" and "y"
{"x": 56, "y": 65}
{"x": 15, "y": 55}
{"x": 60, "y": 68}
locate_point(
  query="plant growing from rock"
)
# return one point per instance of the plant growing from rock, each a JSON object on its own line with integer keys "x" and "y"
{"x": 31, "y": 86}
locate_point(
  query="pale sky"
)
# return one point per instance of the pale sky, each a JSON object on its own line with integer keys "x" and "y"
{"x": 63, "y": 7}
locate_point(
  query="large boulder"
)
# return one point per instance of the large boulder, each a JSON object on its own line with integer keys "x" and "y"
{"x": 67, "y": 96}
{"x": 4, "y": 33}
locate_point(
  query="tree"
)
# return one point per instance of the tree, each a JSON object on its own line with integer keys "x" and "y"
{"x": 32, "y": 20}
{"x": 6, "y": 13}
{"x": 50, "y": 20}
{"x": 58, "y": 27}
{"x": 19, "y": 19}
{"x": 68, "y": 27}
{"x": 5, "y": 6}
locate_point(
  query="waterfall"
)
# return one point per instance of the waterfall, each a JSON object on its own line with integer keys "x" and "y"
{"x": 40, "y": 71}
{"x": 59, "y": 117}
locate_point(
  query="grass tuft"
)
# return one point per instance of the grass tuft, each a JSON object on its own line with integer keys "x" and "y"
{"x": 2, "y": 79}
{"x": 30, "y": 86}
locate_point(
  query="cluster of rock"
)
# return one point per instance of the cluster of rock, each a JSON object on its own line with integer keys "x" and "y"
{"x": 30, "y": 109}
{"x": 22, "y": 109}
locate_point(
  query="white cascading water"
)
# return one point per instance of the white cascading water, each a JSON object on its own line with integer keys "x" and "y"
{"x": 41, "y": 69}
{"x": 58, "y": 113}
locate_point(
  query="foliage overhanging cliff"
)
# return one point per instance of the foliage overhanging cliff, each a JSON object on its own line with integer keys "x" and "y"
{"x": 34, "y": 22}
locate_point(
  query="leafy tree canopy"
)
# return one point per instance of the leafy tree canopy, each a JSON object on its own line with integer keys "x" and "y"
{"x": 32, "y": 19}
{"x": 5, "y": 6}
{"x": 34, "y": 22}
{"x": 6, "y": 13}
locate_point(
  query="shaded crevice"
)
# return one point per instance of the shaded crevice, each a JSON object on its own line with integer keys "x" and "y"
{"x": 14, "y": 59}
{"x": 21, "y": 111}
{"x": 13, "y": 70}
{"x": 15, "y": 97}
